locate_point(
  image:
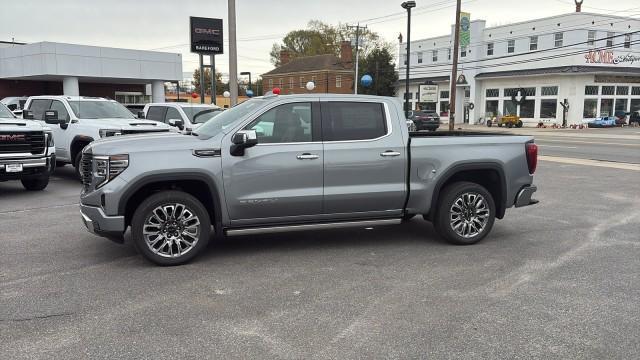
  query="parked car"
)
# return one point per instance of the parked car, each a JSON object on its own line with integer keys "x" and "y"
{"x": 184, "y": 116}
{"x": 602, "y": 122}
{"x": 426, "y": 120}
{"x": 79, "y": 120}
{"x": 621, "y": 118}
{"x": 135, "y": 108}
{"x": 27, "y": 151}
{"x": 634, "y": 117}
{"x": 356, "y": 165}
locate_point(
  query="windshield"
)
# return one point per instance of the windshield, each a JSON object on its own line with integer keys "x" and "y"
{"x": 5, "y": 113}
{"x": 228, "y": 117}
{"x": 100, "y": 110}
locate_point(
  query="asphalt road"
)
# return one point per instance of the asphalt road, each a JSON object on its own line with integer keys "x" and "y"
{"x": 556, "y": 280}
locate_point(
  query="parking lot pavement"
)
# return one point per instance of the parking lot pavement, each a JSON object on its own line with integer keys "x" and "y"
{"x": 556, "y": 280}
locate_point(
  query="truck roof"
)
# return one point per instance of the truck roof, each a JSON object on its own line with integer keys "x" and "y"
{"x": 70, "y": 98}
{"x": 327, "y": 96}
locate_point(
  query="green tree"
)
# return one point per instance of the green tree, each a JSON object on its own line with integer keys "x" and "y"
{"x": 320, "y": 38}
{"x": 207, "y": 81}
{"x": 380, "y": 65}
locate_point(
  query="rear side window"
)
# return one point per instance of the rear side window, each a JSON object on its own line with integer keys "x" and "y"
{"x": 156, "y": 113}
{"x": 353, "y": 121}
{"x": 39, "y": 106}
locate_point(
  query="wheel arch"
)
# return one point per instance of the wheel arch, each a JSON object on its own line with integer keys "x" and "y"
{"x": 200, "y": 185}
{"x": 77, "y": 144}
{"x": 488, "y": 174}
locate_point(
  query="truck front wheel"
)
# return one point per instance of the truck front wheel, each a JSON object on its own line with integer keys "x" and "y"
{"x": 36, "y": 184}
{"x": 465, "y": 214}
{"x": 170, "y": 227}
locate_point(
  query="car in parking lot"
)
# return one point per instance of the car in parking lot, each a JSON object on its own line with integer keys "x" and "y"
{"x": 602, "y": 122}
{"x": 634, "y": 117}
{"x": 187, "y": 117}
{"x": 27, "y": 151}
{"x": 300, "y": 162}
{"x": 76, "y": 121}
{"x": 426, "y": 120}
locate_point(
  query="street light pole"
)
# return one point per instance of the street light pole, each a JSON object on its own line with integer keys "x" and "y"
{"x": 408, "y": 5}
{"x": 233, "y": 53}
{"x": 454, "y": 69}
{"x": 245, "y": 73}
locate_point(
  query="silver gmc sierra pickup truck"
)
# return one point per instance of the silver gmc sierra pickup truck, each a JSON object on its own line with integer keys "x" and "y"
{"x": 300, "y": 162}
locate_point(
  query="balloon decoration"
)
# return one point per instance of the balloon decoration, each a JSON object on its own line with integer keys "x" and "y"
{"x": 194, "y": 95}
{"x": 311, "y": 85}
{"x": 250, "y": 93}
{"x": 276, "y": 91}
{"x": 226, "y": 94}
{"x": 366, "y": 80}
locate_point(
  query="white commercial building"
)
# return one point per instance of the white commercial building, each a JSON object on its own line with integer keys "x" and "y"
{"x": 48, "y": 68}
{"x": 529, "y": 68}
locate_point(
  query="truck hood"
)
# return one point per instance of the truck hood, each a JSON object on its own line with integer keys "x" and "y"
{"x": 160, "y": 142}
{"x": 126, "y": 124}
{"x": 9, "y": 124}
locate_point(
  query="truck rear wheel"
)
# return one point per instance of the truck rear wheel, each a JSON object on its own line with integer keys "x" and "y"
{"x": 36, "y": 184}
{"x": 465, "y": 214}
{"x": 170, "y": 228}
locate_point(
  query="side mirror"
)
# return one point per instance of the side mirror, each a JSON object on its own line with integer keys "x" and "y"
{"x": 51, "y": 117}
{"x": 177, "y": 123}
{"x": 243, "y": 139}
{"x": 141, "y": 115}
{"x": 27, "y": 114}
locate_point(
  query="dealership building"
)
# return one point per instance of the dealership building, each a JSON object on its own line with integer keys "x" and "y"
{"x": 48, "y": 68}
{"x": 529, "y": 68}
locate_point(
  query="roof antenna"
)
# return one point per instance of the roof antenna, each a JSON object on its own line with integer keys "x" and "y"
{"x": 578, "y": 5}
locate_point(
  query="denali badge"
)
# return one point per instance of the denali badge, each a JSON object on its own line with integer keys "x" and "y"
{"x": 16, "y": 137}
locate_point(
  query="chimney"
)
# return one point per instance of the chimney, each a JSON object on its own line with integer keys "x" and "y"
{"x": 346, "y": 53}
{"x": 285, "y": 56}
{"x": 578, "y": 5}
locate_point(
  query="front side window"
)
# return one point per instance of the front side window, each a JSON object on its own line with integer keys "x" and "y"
{"x": 228, "y": 117}
{"x": 63, "y": 114}
{"x": 511, "y": 46}
{"x": 156, "y": 113}
{"x": 489, "y": 49}
{"x": 533, "y": 43}
{"x": 288, "y": 123}
{"x": 558, "y": 37}
{"x": 353, "y": 121}
{"x": 172, "y": 113}
{"x": 38, "y": 107}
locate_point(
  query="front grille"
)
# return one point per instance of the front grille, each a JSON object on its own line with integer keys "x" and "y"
{"x": 32, "y": 142}
{"x": 86, "y": 170}
{"x": 131, "y": 132}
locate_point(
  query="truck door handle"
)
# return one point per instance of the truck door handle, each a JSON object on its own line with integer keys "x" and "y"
{"x": 307, "y": 156}
{"x": 389, "y": 153}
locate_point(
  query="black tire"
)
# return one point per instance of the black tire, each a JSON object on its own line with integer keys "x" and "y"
{"x": 76, "y": 165}
{"x": 442, "y": 219}
{"x": 60, "y": 164}
{"x": 499, "y": 124}
{"x": 144, "y": 212}
{"x": 519, "y": 124}
{"x": 36, "y": 183}
{"x": 489, "y": 123}
{"x": 509, "y": 125}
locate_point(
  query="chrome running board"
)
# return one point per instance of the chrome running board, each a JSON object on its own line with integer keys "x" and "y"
{"x": 319, "y": 226}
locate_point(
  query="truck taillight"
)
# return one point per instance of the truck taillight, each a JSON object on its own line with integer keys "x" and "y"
{"x": 531, "y": 150}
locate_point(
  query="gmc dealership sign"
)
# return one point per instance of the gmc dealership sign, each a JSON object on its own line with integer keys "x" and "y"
{"x": 206, "y": 35}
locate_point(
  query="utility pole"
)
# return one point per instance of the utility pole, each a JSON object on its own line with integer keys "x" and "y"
{"x": 213, "y": 79}
{"x": 201, "y": 79}
{"x": 355, "y": 78}
{"x": 454, "y": 69}
{"x": 408, "y": 5}
{"x": 233, "y": 53}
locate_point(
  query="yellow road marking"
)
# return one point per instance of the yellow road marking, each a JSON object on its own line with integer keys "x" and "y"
{"x": 588, "y": 162}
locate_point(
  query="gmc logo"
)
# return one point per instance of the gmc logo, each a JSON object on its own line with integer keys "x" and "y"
{"x": 17, "y": 137}
{"x": 207, "y": 31}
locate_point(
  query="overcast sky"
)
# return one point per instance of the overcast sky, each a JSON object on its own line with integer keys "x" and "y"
{"x": 164, "y": 24}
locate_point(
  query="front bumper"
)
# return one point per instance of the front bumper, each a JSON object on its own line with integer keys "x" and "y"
{"x": 32, "y": 167}
{"x": 95, "y": 220}
{"x": 524, "y": 196}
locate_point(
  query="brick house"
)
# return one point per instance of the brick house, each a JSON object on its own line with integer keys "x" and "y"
{"x": 330, "y": 73}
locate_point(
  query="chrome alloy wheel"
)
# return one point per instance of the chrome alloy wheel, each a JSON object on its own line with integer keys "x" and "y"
{"x": 171, "y": 230}
{"x": 469, "y": 214}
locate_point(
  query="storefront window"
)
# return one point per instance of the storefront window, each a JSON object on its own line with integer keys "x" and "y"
{"x": 635, "y": 90}
{"x": 509, "y": 107}
{"x": 444, "y": 94}
{"x": 608, "y": 90}
{"x": 591, "y": 90}
{"x": 491, "y": 107}
{"x": 635, "y": 105}
{"x": 622, "y": 90}
{"x": 549, "y": 90}
{"x": 493, "y": 92}
{"x": 606, "y": 106}
{"x": 444, "y": 108}
{"x": 621, "y": 106}
{"x": 527, "y": 109}
{"x": 548, "y": 108}
{"x": 590, "y": 109}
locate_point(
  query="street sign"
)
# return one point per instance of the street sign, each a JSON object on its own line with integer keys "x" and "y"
{"x": 206, "y": 35}
{"x": 428, "y": 93}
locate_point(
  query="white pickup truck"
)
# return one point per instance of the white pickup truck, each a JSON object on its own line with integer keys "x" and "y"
{"x": 76, "y": 121}
{"x": 187, "y": 117}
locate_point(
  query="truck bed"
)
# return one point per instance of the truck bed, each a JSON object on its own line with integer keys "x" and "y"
{"x": 454, "y": 133}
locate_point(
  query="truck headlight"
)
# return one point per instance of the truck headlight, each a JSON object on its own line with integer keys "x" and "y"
{"x": 108, "y": 167}
{"x": 109, "y": 132}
